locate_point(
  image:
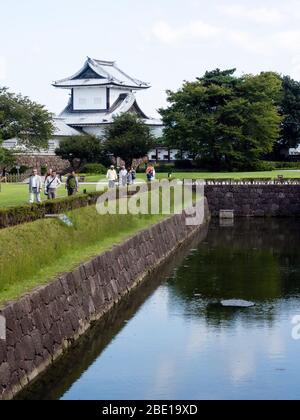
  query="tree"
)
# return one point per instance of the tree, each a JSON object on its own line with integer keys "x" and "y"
{"x": 290, "y": 109}
{"x": 226, "y": 121}
{"x": 85, "y": 148}
{"x": 6, "y": 157}
{"x": 30, "y": 122}
{"x": 129, "y": 138}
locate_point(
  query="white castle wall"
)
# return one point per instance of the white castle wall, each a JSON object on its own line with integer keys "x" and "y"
{"x": 89, "y": 98}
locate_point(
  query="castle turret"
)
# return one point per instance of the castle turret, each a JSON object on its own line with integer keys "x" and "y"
{"x": 99, "y": 92}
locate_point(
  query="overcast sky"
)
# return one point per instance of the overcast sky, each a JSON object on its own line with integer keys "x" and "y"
{"x": 160, "y": 41}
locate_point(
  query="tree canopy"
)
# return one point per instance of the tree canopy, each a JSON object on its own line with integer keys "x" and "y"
{"x": 290, "y": 109}
{"x": 226, "y": 121}
{"x": 85, "y": 148}
{"x": 24, "y": 119}
{"x": 6, "y": 157}
{"x": 129, "y": 138}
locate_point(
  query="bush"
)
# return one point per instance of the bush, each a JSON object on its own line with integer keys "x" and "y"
{"x": 94, "y": 168}
{"x": 286, "y": 165}
{"x": 43, "y": 170}
{"x": 31, "y": 212}
{"x": 22, "y": 170}
{"x": 164, "y": 168}
{"x": 262, "y": 166}
{"x": 184, "y": 165}
{"x": 141, "y": 169}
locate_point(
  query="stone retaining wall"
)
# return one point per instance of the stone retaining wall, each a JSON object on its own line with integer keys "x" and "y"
{"x": 254, "y": 200}
{"x": 39, "y": 161}
{"x": 41, "y": 325}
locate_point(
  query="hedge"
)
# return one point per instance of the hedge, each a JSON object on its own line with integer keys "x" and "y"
{"x": 286, "y": 165}
{"x": 30, "y": 212}
{"x": 94, "y": 168}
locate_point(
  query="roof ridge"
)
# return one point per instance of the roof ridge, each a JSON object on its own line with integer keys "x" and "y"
{"x": 104, "y": 62}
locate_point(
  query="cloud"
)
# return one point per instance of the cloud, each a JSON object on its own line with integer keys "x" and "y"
{"x": 261, "y": 15}
{"x": 246, "y": 41}
{"x": 165, "y": 33}
{"x": 288, "y": 40}
{"x": 3, "y": 68}
{"x": 269, "y": 43}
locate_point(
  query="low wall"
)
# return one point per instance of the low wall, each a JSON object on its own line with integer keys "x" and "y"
{"x": 39, "y": 161}
{"x": 44, "y": 323}
{"x": 254, "y": 200}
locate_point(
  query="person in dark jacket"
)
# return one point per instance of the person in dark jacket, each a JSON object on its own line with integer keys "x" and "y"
{"x": 72, "y": 184}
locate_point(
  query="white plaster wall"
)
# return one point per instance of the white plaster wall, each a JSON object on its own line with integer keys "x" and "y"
{"x": 163, "y": 154}
{"x": 94, "y": 131}
{"x": 157, "y": 131}
{"x": 115, "y": 93}
{"x": 87, "y": 98}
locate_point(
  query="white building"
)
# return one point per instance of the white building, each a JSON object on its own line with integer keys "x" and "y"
{"x": 99, "y": 91}
{"x": 295, "y": 152}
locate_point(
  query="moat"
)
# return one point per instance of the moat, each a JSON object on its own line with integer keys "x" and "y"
{"x": 172, "y": 339}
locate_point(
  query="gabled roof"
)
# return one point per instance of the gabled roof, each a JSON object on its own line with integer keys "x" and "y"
{"x": 101, "y": 73}
{"x": 125, "y": 103}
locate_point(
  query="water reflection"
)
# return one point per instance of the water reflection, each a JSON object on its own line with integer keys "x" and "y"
{"x": 172, "y": 339}
{"x": 255, "y": 260}
{"x": 60, "y": 377}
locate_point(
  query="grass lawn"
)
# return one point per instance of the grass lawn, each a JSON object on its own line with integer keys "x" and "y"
{"x": 34, "y": 253}
{"x": 212, "y": 175}
{"x": 17, "y": 194}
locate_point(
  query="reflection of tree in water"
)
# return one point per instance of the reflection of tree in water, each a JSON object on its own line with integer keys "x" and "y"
{"x": 256, "y": 260}
{"x": 67, "y": 370}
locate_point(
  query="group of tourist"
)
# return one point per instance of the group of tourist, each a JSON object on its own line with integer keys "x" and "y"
{"x": 125, "y": 176}
{"x": 51, "y": 183}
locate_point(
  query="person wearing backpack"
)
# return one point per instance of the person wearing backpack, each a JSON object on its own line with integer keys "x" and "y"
{"x": 72, "y": 184}
{"x": 51, "y": 186}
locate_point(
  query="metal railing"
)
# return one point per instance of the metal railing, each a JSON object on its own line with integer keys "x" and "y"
{"x": 251, "y": 181}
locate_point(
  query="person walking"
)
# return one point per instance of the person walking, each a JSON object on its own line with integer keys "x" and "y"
{"x": 72, "y": 184}
{"x": 153, "y": 174}
{"x": 149, "y": 172}
{"x": 112, "y": 177}
{"x": 133, "y": 174}
{"x": 3, "y": 177}
{"x": 123, "y": 177}
{"x": 51, "y": 186}
{"x": 48, "y": 174}
{"x": 35, "y": 187}
{"x": 129, "y": 176}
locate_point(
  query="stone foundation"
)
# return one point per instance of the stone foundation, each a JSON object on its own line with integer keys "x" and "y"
{"x": 254, "y": 200}
{"x": 54, "y": 162}
{"x": 44, "y": 323}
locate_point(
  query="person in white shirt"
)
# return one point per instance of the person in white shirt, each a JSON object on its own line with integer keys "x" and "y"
{"x": 35, "y": 187}
{"x": 123, "y": 177}
{"x": 153, "y": 174}
{"x": 51, "y": 186}
{"x": 112, "y": 177}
